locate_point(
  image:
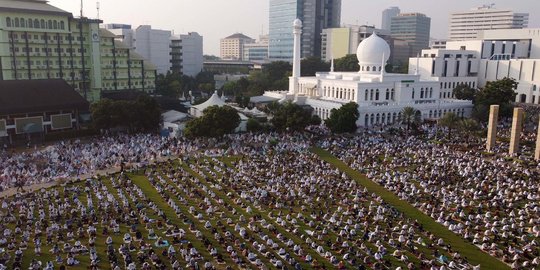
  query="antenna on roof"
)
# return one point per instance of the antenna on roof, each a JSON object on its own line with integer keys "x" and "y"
{"x": 81, "y": 8}
{"x": 97, "y": 7}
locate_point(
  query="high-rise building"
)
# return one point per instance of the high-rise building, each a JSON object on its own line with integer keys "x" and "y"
{"x": 338, "y": 42}
{"x": 387, "y": 16}
{"x": 413, "y": 28}
{"x": 465, "y": 25}
{"x": 40, "y": 41}
{"x": 187, "y": 54}
{"x": 315, "y": 15}
{"x": 152, "y": 44}
{"x": 257, "y": 51}
{"x": 232, "y": 47}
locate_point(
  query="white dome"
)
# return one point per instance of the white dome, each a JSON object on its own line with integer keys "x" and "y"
{"x": 297, "y": 23}
{"x": 371, "y": 50}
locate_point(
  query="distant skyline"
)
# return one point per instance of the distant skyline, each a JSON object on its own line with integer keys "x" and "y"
{"x": 216, "y": 19}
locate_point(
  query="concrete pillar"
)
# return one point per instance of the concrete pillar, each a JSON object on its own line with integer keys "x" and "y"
{"x": 293, "y": 81}
{"x": 537, "y": 151}
{"x": 492, "y": 126}
{"x": 517, "y": 125}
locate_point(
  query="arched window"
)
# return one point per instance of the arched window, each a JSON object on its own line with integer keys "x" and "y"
{"x": 17, "y": 22}
{"x": 413, "y": 93}
{"x": 377, "y": 94}
{"x": 43, "y": 26}
{"x": 366, "y": 121}
{"x": 23, "y": 22}
{"x": 371, "y": 94}
{"x": 374, "y": 68}
{"x": 62, "y": 25}
{"x": 431, "y": 92}
{"x": 392, "y": 94}
{"x": 422, "y": 92}
{"x": 367, "y": 68}
{"x": 36, "y": 23}
{"x": 49, "y": 24}
{"x": 380, "y": 68}
{"x": 8, "y": 22}
{"x": 366, "y": 97}
{"x": 372, "y": 119}
{"x": 30, "y": 24}
{"x": 55, "y": 24}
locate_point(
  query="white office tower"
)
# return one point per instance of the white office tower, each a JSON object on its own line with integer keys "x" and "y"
{"x": 387, "y": 16}
{"x": 465, "y": 25}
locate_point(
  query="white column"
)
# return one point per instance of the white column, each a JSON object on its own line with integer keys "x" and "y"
{"x": 293, "y": 81}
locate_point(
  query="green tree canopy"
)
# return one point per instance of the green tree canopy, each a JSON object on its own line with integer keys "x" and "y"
{"x": 410, "y": 116}
{"x": 253, "y": 125}
{"x": 142, "y": 114}
{"x": 216, "y": 121}
{"x": 343, "y": 119}
{"x": 347, "y": 63}
{"x": 289, "y": 116}
{"x": 501, "y": 92}
{"x": 312, "y": 65}
{"x": 464, "y": 92}
{"x": 451, "y": 121}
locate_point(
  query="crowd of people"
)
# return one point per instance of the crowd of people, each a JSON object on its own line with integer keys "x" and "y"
{"x": 265, "y": 201}
{"x": 490, "y": 201}
{"x": 76, "y": 158}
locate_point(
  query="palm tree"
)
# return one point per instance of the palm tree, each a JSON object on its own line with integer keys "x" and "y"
{"x": 451, "y": 121}
{"x": 468, "y": 126}
{"x": 410, "y": 115}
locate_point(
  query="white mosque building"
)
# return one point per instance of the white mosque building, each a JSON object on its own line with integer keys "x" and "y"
{"x": 381, "y": 96}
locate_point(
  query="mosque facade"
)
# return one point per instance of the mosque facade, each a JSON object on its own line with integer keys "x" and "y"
{"x": 380, "y": 96}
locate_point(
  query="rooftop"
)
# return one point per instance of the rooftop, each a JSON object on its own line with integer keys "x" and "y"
{"x": 26, "y": 96}
{"x": 35, "y": 6}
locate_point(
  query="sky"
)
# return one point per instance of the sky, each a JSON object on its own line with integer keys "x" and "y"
{"x": 216, "y": 19}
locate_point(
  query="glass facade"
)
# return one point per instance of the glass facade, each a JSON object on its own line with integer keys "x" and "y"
{"x": 316, "y": 15}
{"x": 281, "y": 40}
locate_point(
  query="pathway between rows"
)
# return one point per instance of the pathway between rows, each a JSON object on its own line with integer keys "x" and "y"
{"x": 473, "y": 254}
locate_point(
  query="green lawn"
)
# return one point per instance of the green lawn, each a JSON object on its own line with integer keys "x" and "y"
{"x": 469, "y": 251}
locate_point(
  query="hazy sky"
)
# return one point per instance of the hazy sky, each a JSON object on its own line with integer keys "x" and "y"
{"x": 215, "y": 19}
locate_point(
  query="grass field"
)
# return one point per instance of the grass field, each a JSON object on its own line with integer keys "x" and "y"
{"x": 471, "y": 252}
{"x": 194, "y": 187}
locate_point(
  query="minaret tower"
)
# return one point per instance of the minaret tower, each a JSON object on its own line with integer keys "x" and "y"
{"x": 293, "y": 81}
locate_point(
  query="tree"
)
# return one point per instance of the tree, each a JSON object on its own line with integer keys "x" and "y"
{"x": 343, "y": 119}
{"x": 463, "y": 91}
{"x": 290, "y": 116}
{"x": 143, "y": 114}
{"x": 315, "y": 120}
{"x": 277, "y": 70}
{"x": 347, "y": 63}
{"x": 253, "y": 125}
{"x": 312, "y": 65}
{"x": 451, "y": 121}
{"x": 215, "y": 122}
{"x": 501, "y": 92}
{"x": 147, "y": 113}
{"x": 468, "y": 126}
{"x": 410, "y": 116}
{"x": 101, "y": 114}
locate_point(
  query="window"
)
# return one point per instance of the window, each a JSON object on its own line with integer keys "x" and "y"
{"x": 16, "y": 22}
{"x": 36, "y": 23}
{"x": 30, "y": 24}
{"x": 366, "y": 95}
{"x": 23, "y": 22}
{"x": 43, "y": 24}
{"x": 377, "y": 94}
{"x": 8, "y": 22}
{"x": 62, "y": 25}
{"x": 55, "y": 24}
{"x": 49, "y": 24}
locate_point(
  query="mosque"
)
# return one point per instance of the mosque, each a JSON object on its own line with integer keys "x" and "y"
{"x": 381, "y": 96}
